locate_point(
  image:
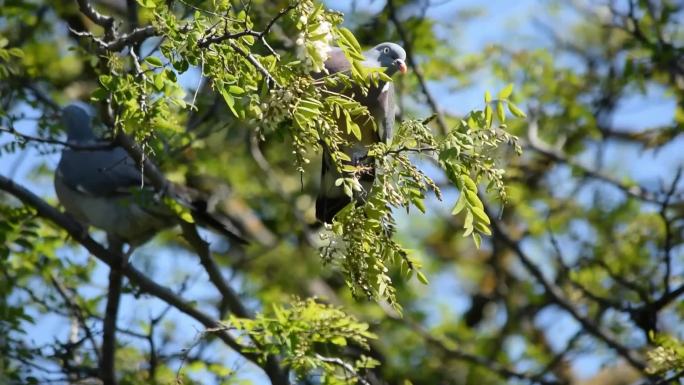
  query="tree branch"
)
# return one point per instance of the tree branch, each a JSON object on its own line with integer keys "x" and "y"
{"x": 74, "y": 229}
{"x": 229, "y": 297}
{"x": 77, "y": 311}
{"x": 534, "y": 143}
{"x": 456, "y": 354}
{"x": 106, "y": 22}
{"x": 408, "y": 47}
{"x": 74, "y": 146}
{"x": 108, "y": 361}
{"x": 345, "y": 366}
{"x": 557, "y": 296}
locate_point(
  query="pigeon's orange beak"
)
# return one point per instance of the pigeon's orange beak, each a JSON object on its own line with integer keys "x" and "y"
{"x": 402, "y": 66}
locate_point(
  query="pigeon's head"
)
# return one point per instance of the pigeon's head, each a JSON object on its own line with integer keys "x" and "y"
{"x": 76, "y": 121}
{"x": 390, "y": 56}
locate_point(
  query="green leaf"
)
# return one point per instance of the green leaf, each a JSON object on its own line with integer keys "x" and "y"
{"x": 506, "y": 92}
{"x": 230, "y": 101}
{"x": 159, "y": 82}
{"x": 473, "y": 199}
{"x": 153, "y": 61}
{"x": 516, "y": 111}
{"x": 488, "y": 97}
{"x": 483, "y": 228}
{"x": 99, "y": 94}
{"x": 16, "y": 52}
{"x": 460, "y": 204}
{"x": 419, "y": 203}
{"x": 236, "y": 90}
{"x": 469, "y": 184}
{"x": 477, "y": 239}
{"x": 147, "y": 3}
{"x": 480, "y": 214}
{"x": 349, "y": 38}
{"x": 500, "y": 112}
{"x": 105, "y": 80}
{"x": 422, "y": 278}
{"x": 488, "y": 116}
{"x": 468, "y": 223}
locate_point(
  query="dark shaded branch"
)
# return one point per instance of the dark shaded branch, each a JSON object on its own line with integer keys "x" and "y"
{"x": 108, "y": 361}
{"x": 147, "y": 285}
{"x": 668, "y": 297}
{"x": 565, "y": 270}
{"x": 104, "y": 21}
{"x": 229, "y": 297}
{"x": 557, "y": 296}
{"x": 136, "y": 36}
{"x": 667, "y": 247}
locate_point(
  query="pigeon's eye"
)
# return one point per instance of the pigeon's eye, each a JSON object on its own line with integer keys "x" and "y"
{"x": 385, "y": 50}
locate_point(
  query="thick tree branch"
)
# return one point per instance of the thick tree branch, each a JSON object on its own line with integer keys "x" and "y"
{"x": 136, "y": 277}
{"x": 106, "y": 22}
{"x": 108, "y": 361}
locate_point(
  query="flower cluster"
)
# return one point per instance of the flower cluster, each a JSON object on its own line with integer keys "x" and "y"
{"x": 313, "y": 44}
{"x": 278, "y": 106}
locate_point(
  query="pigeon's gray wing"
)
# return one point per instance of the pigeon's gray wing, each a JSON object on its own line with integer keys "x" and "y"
{"x": 101, "y": 173}
{"x": 337, "y": 61}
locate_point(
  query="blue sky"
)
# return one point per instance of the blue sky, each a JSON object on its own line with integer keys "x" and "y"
{"x": 503, "y": 20}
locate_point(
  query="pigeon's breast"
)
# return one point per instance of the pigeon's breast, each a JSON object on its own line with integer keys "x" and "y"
{"x": 122, "y": 217}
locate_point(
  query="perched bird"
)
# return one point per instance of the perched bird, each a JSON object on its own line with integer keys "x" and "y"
{"x": 380, "y": 103}
{"x": 102, "y": 187}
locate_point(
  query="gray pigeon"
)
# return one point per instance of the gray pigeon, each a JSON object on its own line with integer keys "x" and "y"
{"x": 380, "y": 103}
{"x": 102, "y": 188}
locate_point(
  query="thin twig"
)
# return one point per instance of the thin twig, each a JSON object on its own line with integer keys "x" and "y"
{"x": 344, "y": 365}
{"x": 72, "y": 145}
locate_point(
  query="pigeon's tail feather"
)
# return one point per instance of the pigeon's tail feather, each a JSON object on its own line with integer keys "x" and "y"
{"x": 331, "y": 198}
{"x": 328, "y": 207}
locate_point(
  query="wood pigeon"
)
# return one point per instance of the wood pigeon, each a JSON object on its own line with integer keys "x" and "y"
{"x": 102, "y": 188}
{"x": 381, "y": 105}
